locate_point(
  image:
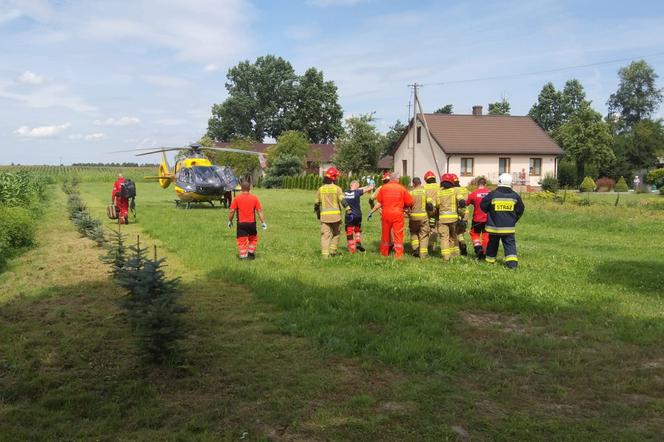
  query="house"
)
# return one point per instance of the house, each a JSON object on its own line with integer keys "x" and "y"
{"x": 318, "y": 158}
{"x": 473, "y": 145}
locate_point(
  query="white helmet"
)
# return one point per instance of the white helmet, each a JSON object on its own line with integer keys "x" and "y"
{"x": 505, "y": 180}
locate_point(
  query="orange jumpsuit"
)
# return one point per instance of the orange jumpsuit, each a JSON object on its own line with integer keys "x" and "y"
{"x": 121, "y": 203}
{"x": 393, "y": 198}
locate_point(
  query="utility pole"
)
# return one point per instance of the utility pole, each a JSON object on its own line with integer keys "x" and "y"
{"x": 418, "y": 114}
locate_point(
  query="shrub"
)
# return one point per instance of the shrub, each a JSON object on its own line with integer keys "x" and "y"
{"x": 621, "y": 185}
{"x": 549, "y": 183}
{"x": 605, "y": 184}
{"x": 405, "y": 180}
{"x": 151, "y": 302}
{"x": 656, "y": 177}
{"x": 567, "y": 174}
{"x": 17, "y": 227}
{"x": 588, "y": 185}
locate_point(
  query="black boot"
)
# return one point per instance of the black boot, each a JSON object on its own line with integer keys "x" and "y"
{"x": 416, "y": 254}
{"x": 478, "y": 251}
{"x": 359, "y": 247}
{"x": 463, "y": 249}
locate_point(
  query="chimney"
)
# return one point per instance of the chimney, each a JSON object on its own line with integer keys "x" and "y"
{"x": 477, "y": 110}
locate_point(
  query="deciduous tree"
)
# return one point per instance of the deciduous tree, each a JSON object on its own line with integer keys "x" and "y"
{"x": 359, "y": 147}
{"x": 501, "y": 107}
{"x": 638, "y": 96}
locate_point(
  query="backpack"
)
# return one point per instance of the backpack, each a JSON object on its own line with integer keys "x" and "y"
{"x": 128, "y": 189}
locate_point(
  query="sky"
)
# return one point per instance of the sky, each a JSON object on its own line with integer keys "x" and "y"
{"x": 81, "y": 79}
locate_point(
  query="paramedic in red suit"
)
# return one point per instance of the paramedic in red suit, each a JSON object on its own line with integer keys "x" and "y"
{"x": 121, "y": 203}
{"x": 478, "y": 233}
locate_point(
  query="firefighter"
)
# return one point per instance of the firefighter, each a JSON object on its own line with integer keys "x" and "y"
{"x": 448, "y": 202}
{"x": 503, "y": 207}
{"x": 431, "y": 188}
{"x": 328, "y": 206}
{"x": 392, "y": 199}
{"x": 120, "y": 201}
{"x": 462, "y": 224}
{"x": 354, "y": 215}
{"x": 246, "y": 206}
{"x": 419, "y": 220}
{"x": 477, "y": 231}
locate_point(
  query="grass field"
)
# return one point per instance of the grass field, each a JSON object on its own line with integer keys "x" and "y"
{"x": 291, "y": 346}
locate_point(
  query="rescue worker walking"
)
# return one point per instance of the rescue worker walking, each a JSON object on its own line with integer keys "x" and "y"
{"x": 419, "y": 220}
{"x": 462, "y": 224}
{"x": 120, "y": 201}
{"x": 328, "y": 204}
{"x": 246, "y": 206}
{"x": 448, "y": 201}
{"x": 431, "y": 188}
{"x": 393, "y": 199}
{"x": 354, "y": 215}
{"x": 477, "y": 231}
{"x": 503, "y": 207}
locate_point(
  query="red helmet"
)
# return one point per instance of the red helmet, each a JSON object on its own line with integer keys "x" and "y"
{"x": 429, "y": 175}
{"x": 455, "y": 177}
{"x": 447, "y": 177}
{"x": 387, "y": 176}
{"x": 332, "y": 173}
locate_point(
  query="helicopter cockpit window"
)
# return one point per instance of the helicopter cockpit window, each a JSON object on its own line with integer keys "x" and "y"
{"x": 206, "y": 175}
{"x": 185, "y": 176}
{"x": 226, "y": 174}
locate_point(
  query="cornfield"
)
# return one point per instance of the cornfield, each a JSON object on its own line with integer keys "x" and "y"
{"x": 86, "y": 174}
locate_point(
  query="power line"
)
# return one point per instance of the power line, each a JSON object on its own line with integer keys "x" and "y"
{"x": 547, "y": 71}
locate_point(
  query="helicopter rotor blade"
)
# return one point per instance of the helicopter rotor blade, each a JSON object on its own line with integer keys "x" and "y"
{"x": 156, "y": 149}
{"x": 230, "y": 149}
{"x": 169, "y": 149}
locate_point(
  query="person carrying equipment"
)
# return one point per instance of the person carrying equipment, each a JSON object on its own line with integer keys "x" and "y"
{"x": 477, "y": 232}
{"x": 120, "y": 198}
{"x": 328, "y": 205}
{"x": 354, "y": 215}
{"x": 419, "y": 220}
{"x": 448, "y": 201}
{"x": 431, "y": 188}
{"x": 392, "y": 199}
{"x": 462, "y": 223}
{"x": 503, "y": 207}
{"x": 246, "y": 205}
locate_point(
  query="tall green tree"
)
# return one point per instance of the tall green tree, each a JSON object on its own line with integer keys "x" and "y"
{"x": 282, "y": 166}
{"x": 392, "y": 136}
{"x": 586, "y": 139}
{"x": 291, "y": 142}
{"x": 554, "y": 108}
{"x": 267, "y": 97}
{"x": 501, "y": 107}
{"x": 315, "y": 110}
{"x": 447, "y": 109}
{"x": 360, "y": 146}
{"x": 638, "y": 96}
{"x": 641, "y": 146}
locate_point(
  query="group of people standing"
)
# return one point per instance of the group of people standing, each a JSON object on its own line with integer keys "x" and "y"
{"x": 431, "y": 209}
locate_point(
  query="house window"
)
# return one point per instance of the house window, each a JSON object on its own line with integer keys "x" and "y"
{"x": 419, "y": 134}
{"x": 404, "y": 164}
{"x": 536, "y": 166}
{"x": 503, "y": 165}
{"x": 466, "y": 167}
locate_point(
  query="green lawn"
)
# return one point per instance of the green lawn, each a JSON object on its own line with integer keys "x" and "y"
{"x": 568, "y": 347}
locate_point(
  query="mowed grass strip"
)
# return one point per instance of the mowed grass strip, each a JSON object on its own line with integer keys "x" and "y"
{"x": 569, "y": 344}
{"x": 69, "y": 370}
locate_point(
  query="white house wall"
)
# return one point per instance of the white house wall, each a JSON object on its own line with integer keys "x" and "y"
{"x": 487, "y": 166}
{"x": 423, "y": 158}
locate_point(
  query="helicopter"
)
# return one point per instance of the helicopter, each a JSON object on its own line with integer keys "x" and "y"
{"x": 195, "y": 178}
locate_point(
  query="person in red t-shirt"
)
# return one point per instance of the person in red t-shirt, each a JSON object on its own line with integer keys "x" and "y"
{"x": 119, "y": 201}
{"x": 477, "y": 233}
{"x": 246, "y": 205}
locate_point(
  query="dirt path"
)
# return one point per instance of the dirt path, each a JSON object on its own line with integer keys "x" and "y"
{"x": 73, "y": 371}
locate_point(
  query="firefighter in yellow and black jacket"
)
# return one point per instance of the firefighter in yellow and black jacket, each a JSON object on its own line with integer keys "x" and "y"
{"x": 419, "y": 220}
{"x": 431, "y": 187}
{"x": 448, "y": 201}
{"x": 462, "y": 224}
{"x": 328, "y": 207}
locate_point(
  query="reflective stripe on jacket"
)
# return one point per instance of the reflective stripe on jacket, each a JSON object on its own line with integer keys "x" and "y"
{"x": 329, "y": 196}
{"x": 419, "y": 210}
{"x": 446, "y": 202}
{"x": 503, "y": 208}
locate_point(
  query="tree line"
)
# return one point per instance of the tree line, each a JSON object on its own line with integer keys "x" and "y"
{"x": 268, "y": 99}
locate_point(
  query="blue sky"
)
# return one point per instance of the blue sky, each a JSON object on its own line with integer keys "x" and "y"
{"x": 81, "y": 78}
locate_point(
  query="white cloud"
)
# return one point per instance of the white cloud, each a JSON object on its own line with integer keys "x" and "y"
{"x": 46, "y": 96}
{"x": 10, "y": 15}
{"x": 122, "y": 121}
{"x": 211, "y": 67}
{"x": 29, "y": 77}
{"x": 41, "y": 131}
{"x": 95, "y": 136}
{"x": 167, "y": 81}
